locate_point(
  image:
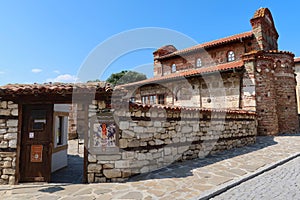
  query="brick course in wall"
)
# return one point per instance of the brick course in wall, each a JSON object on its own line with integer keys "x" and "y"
{"x": 275, "y": 94}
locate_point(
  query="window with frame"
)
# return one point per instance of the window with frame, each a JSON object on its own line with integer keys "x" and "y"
{"x": 149, "y": 99}
{"x": 173, "y": 68}
{"x": 161, "y": 99}
{"x": 152, "y": 99}
{"x": 59, "y": 130}
{"x": 230, "y": 56}
{"x": 144, "y": 99}
{"x": 198, "y": 62}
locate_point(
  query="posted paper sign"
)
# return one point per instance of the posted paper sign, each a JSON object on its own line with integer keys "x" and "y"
{"x": 36, "y": 153}
{"x": 31, "y": 135}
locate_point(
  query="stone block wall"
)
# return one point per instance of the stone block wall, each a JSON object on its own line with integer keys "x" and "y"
{"x": 154, "y": 137}
{"x": 248, "y": 93}
{"x": 8, "y": 141}
{"x": 72, "y": 130}
{"x": 76, "y": 121}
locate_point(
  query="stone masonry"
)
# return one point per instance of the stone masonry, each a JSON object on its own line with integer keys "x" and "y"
{"x": 8, "y": 141}
{"x": 151, "y": 138}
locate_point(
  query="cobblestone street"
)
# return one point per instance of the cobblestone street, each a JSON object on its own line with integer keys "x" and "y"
{"x": 193, "y": 179}
{"x": 283, "y": 182}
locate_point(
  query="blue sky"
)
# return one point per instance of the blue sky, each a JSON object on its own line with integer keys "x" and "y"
{"x": 43, "y": 41}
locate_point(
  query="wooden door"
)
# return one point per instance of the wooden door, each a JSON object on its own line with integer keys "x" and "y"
{"x": 36, "y": 143}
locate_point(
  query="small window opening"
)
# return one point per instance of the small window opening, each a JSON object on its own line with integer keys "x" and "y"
{"x": 161, "y": 99}
{"x": 132, "y": 100}
{"x": 230, "y": 56}
{"x": 173, "y": 68}
{"x": 59, "y": 133}
{"x": 144, "y": 99}
{"x": 152, "y": 99}
{"x": 199, "y": 62}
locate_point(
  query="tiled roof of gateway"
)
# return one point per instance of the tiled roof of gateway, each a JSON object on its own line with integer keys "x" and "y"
{"x": 189, "y": 73}
{"x": 296, "y": 60}
{"x": 213, "y": 43}
{"x": 53, "y": 88}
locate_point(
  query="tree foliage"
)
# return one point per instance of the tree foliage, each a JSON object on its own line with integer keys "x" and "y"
{"x": 96, "y": 80}
{"x": 125, "y": 76}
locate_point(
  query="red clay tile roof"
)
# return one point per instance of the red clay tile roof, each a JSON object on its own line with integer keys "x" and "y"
{"x": 189, "y": 73}
{"x": 53, "y": 88}
{"x": 279, "y": 51}
{"x": 260, "y": 12}
{"x": 213, "y": 43}
{"x": 296, "y": 60}
{"x": 182, "y": 108}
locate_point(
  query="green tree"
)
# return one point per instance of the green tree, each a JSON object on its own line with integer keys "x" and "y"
{"x": 90, "y": 81}
{"x": 125, "y": 76}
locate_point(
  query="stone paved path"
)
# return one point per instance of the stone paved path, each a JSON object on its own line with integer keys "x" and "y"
{"x": 186, "y": 180}
{"x": 282, "y": 182}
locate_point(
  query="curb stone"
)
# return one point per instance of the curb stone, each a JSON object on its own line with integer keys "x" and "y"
{"x": 226, "y": 186}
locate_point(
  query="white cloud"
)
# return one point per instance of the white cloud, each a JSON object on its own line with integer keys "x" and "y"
{"x": 65, "y": 78}
{"x": 36, "y": 70}
{"x": 56, "y": 72}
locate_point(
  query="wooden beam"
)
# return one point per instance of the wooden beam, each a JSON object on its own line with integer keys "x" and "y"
{"x": 60, "y": 148}
{"x": 20, "y": 124}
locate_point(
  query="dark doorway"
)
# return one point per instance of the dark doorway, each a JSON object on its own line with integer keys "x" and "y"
{"x": 73, "y": 173}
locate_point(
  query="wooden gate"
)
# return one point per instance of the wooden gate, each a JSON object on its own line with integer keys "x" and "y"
{"x": 36, "y": 143}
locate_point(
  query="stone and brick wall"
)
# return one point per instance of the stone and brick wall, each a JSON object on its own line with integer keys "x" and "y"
{"x": 209, "y": 57}
{"x": 153, "y": 137}
{"x": 266, "y": 84}
{"x": 273, "y": 85}
{"x": 72, "y": 129}
{"x": 76, "y": 121}
{"x": 8, "y": 141}
{"x": 285, "y": 84}
{"x": 220, "y": 90}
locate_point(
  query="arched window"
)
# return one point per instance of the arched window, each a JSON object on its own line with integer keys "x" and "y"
{"x": 198, "y": 62}
{"x": 173, "y": 68}
{"x": 230, "y": 56}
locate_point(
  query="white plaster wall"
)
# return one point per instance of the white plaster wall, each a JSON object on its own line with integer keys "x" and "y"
{"x": 62, "y": 107}
{"x": 65, "y": 130}
{"x": 59, "y": 160}
{"x": 297, "y": 71}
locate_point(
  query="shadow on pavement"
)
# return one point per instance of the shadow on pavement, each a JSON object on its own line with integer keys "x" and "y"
{"x": 184, "y": 168}
{"x": 73, "y": 173}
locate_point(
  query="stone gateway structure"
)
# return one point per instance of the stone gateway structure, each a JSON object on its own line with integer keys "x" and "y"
{"x": 204, "y": 99}
{"x": 33, "y": 127}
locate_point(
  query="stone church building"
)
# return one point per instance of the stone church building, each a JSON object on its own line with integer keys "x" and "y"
{"x": 240, "y": 72}
{"x": 204, "y": 99}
